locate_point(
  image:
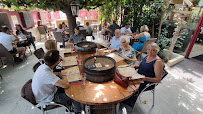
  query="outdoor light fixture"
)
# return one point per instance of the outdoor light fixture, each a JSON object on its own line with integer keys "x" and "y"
{"x": 75, "y": 8}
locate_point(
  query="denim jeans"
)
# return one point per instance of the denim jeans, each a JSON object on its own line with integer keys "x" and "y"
{"x": 61, "y": 98}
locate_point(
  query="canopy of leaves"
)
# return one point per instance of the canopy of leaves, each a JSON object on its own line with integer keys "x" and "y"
{"x": 53, "y": 4}
{"x": 110, "y": 10}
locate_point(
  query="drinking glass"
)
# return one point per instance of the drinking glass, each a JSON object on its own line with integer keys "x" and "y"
{"x": 79, "y": 60}
{"x": 71, "y": 48}
{"x": 83, "y": 78}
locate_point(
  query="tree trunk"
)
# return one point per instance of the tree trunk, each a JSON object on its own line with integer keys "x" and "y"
{"x": 71, "y": 19}
{"x": 160, "y": 24}
{"x": 152, "y": 28}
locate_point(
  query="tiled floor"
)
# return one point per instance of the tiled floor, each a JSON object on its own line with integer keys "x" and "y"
{"x": 174, "y": 95}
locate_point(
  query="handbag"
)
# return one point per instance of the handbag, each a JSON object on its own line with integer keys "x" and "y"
{"x": 121, "y": 80}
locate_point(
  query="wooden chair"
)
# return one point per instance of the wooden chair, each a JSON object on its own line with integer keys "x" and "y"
{"x": 144, "y": 47}
{"x": 59, "y": 38}
{"x": 151, "y": 87}
{"x": 27, "y": 94}
{"x": 39, "y": 53}
{"x": 6, "y": 56}
{"x": 42, "y": 31}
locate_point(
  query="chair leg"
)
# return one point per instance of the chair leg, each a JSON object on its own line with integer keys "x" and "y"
{"x": 153, "y": 98}
{"x": 1, "y": 76}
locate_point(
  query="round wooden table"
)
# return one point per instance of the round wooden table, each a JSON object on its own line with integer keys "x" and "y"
{"x": 99, "y": 93}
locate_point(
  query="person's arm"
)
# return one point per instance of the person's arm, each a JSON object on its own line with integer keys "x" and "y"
{"x": 63, "y": 82}
{"x": 134, "y": 59}
{"x": 139, "y": 36}
{"x": 26, "y": 34}
{"x": 108, "y": 45}
{"x": 16, "y": 38}
{"x": 70, "y": 40}
{"x": 158, "y": 70}
{"x": 112, "y": 50}
{"x": 70, "y": 43}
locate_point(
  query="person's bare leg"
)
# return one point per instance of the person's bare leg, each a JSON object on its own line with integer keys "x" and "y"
{"x": 21, "y": 51}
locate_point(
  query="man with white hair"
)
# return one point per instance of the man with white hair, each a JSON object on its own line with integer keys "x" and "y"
{"x": 115, "y": 41}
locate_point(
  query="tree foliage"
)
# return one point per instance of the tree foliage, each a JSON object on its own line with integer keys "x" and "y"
{"x": 110, "y": 10}
{"x": 143, "y": 12}
{"x": 63, "y": 5}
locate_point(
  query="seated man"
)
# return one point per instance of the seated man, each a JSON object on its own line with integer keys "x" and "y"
{"x": 80, "y": 26}
{"x": 115, "y": 41}
{"x": 76, "y": 38}
{"x": 6, "y": 39}
{"x": 113, "y": 27}
{"x": 126, "y": 29}
{"x": 89, "y": 30}
{"x": 45, "y": 82}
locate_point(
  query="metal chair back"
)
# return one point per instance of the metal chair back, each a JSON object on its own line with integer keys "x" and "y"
{"x": 39, "y": 53}
{"x": 84, "y": 33}
{"x": 41, "y": 29}
{"x": 144, "y": 47}
{"x": 6, "y": 56}
{"x": 147, "y": 42}
{"x": 36, "y": 66}
{"x": 59, "y": 37}
{"x": 27, "y": 94}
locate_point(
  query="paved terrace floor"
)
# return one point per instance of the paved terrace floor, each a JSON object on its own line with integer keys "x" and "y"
{"x": 181, "y": 92}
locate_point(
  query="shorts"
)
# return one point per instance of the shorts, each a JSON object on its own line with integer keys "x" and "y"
{"x": 13, "y": 51}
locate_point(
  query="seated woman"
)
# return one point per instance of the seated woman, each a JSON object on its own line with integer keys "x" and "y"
{"x": 60, "y": 28}
{"x": 64, "y": 26}
{"x": 142, "y": 37}
{"x": 151, "y": 67}
{"x": 23, "y": 33}
{"x": 50, "y": 45}
{"x": 126, "y": 51}
{"x": 76, "y": 38}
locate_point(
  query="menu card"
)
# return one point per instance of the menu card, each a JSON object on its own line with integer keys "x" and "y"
{"x": 115, "y": 57}
{"x": 72, "y": 74}
{"x": 69, "y": 61}
{"x": 128, "y": 71}
{"x": 65, "y": 50}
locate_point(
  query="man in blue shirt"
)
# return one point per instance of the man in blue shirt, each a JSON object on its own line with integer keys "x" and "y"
{"x": 76, "y": 38}
{"x": 115, "y": 41}
{"x": 126, "y": 29}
